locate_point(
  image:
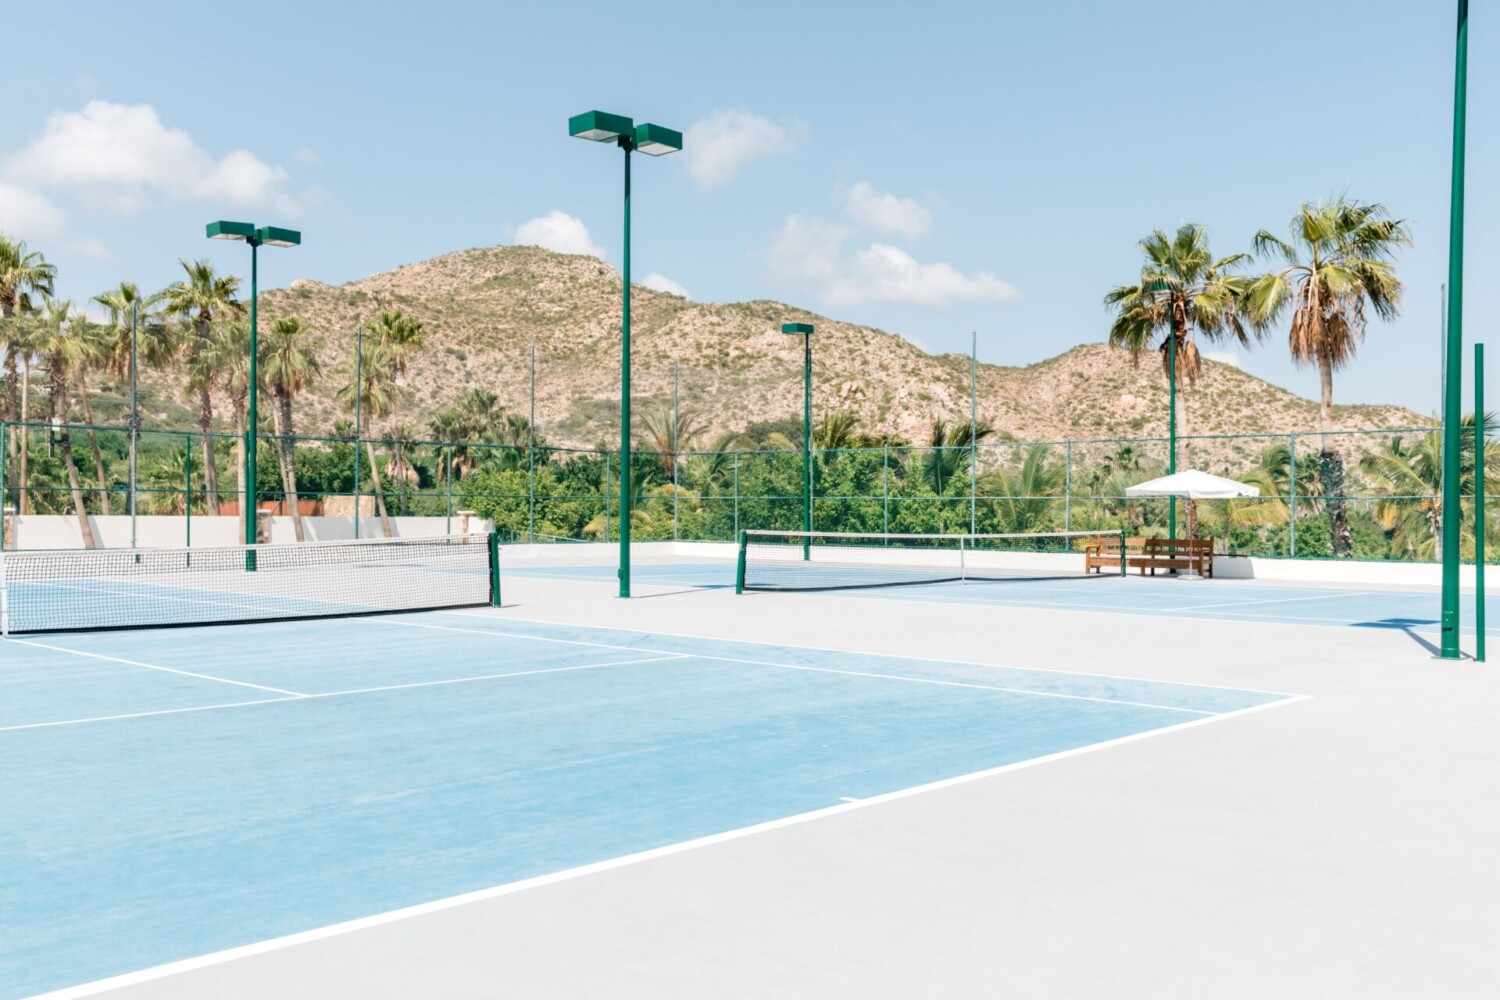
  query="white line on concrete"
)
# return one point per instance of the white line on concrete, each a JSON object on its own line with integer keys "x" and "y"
{"x": 848, "y": 652}
{"x": 452, "y": 902}
{"x": 153, "y": 666}
{"x": 1277, "y": 600}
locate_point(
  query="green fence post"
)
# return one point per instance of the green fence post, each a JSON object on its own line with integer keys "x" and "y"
{"x": 494, "y": 569}
{"x": 606, "y": 496}
{"x": 531, "y": 458}
{"x": 4, "y": 445}
{"x": 1068, "y": 485}
{"x": 187, "y": 507}
{"x": 736, "y": 494}
{"x": 1292, "y": 489}
{"x": 448, "y": 490}
{"x": 1479, "y": 502}
{"x": 739, "y": 566}
{"x": 885, "y": 495}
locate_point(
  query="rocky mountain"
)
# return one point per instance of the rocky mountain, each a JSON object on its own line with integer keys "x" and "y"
{"x": 486, "y": 308}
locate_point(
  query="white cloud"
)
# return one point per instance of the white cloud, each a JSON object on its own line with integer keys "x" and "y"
{"x": 558, "y": 231}
{"x": 305, "y": 155}
{"x": 1223, "y": 357}
{"x": 89, "y": 247}
{"x": 885, "y": 212}
{"x": 662, "y": 283}
{"x": 27, "y": 215}
{"x": 716, "y": 147}
{"x": 122, "y": 156}
{"x": 811, "y": 251}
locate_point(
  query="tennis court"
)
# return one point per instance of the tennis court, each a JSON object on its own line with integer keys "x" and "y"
{"x": 1411, "y": 609}
{"x": 180, "y": 792}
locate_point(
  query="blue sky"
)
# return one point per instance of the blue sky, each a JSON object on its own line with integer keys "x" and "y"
{"x": 930, "y": 169}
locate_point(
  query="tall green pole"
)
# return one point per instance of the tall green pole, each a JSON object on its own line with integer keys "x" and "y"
{"x": 135, "y": 417}
{"x": 248, "y": 500}
{"x": 807, "y": 475}
{"x": 1452, "y": 402}
{"x": 973, "y": 431}
{"x": 625, "y": 395}
{"x": 4, "y": 510}
{"x": 1479, "y": 623}
{"x": 359, "y": 392}
{"x": 531, "y": 457}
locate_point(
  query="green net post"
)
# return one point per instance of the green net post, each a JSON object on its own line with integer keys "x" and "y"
{"x": 739, "y": 565}
{"x": 494, "y": 540}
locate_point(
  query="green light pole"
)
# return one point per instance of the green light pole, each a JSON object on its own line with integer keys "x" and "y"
{"x": 653, "y": 140}
{"x": 257, "y": 237}
{"x": 1452, "y": 395}
{"x": 805, "y": 330}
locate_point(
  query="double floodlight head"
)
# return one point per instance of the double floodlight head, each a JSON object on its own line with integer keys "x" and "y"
{"x": 801, "y": 329}
{"x": 600, "y": 126}
{"x": 270, "y": 236}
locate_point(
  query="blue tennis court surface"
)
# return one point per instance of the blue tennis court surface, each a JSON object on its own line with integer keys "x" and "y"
{"x": 1162, "y": 596}
{"x": 173, "y": 793}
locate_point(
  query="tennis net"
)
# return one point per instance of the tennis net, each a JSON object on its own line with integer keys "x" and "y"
{"x": 85, "y": 590}
{"x": 798, "y": 560}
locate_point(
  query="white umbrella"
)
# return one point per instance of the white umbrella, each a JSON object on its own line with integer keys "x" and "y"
{"x": 1193, "y": 484}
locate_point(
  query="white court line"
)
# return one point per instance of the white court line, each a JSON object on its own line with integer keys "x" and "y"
{"x": 152, "y": 666}
{"x": 511, "y": 635}
{"x": 453, "y": 902}
{"x": 830, "y": 649}
{"x": 849, "y": 673}
{"x": 342, "y": 694}
{"x": 1276, "y": 600}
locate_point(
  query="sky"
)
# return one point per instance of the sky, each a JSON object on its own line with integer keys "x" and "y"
{"x": 930, "y": 169}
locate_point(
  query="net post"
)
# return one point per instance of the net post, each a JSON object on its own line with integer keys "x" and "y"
{"x": 494, "y": 546}
{"x": 739, "y": 565}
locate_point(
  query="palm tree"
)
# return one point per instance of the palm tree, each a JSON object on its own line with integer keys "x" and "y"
{"x": 1337, "y": 267}
{"x": 950, "y": 446}
{"x": 154, "y": 340}
{"x": 25, "y": 332}
{"x": 224, "y": 362}
{"x": 93, "y": 355}
{"x": 1024, "y": 498}
{"x": 65, "y": 345}
{"x": 22, "y": 273}
{"x": 394, "y": 337}
{"x": 1411, "y": 477}
{"x": 1183, "y": 291}
{"x": 837, "y": 431}
{"x": 201, "y": 298}
{"x": 289, "y": 364}
{"x": 668, "y": 431}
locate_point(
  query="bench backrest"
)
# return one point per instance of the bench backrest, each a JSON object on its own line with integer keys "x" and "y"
{"x": 1181, "y": 546}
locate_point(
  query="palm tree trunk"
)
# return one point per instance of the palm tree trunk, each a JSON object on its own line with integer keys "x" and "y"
{"x": 287, "y": 455}
{"x": 210, "y": 473}
{"x": 1331, "y": 467}
{"x": 88, "y": 422}
{"x": 385, "y": 520}
{"x": 65, "y": 445}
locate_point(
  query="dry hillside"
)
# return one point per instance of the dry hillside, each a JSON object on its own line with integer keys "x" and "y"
{"x": 485, "y": 308}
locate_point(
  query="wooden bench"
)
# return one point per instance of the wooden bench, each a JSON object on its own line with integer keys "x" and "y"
{"x": 1152, "y": 554}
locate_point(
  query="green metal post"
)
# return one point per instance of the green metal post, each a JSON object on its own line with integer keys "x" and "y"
{"x": 1479, "y": 623}
{"x": 625, "y": 395}
{"x": 187, "y": 508}
{"x": 973, "y": 430}
{"x": 736, "y": 494}
{"x": 807, "y": 475}
{"x": 135, "y": 419}
{"x": 359, "y": 392}
{"x": 494, "y": 540}
{"x": 739, "y": 566}
{"x": 4, "y": 444}
{"x": 1292, "y": 488}
{"x": 1452, "y": 401}
{"x": 1068, "y": 485}
{"x": 248, "y": 500}
{"x": 606, "y": 496}
{"x": 674, "y": 451}
{"x": 531, "y": 458}
{"x": 885, "y": 489}
{"x": 448, "y": 490}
